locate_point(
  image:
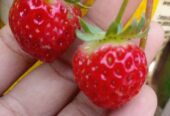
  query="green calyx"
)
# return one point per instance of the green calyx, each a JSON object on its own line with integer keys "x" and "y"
{"x": 116, "y": 32}
{"x": 90, "y": 33}
{"x": 77, "y": 2}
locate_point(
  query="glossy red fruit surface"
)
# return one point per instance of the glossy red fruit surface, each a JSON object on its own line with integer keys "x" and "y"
{"x": 44, "y": 30}
{"x": 110, "y": 75}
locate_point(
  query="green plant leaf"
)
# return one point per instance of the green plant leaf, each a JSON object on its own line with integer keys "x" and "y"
{"x": 134, "y": 26}
{"x": 88, "y": 28}
{"x": 131, "y": 29}
{"x": 138, "y": 35}
{"x": 85, "y": 26}
{"x": 141, "y": 23}
{"x": 82, "y": 5}
{"x": 95, "y": 29}
{"x": 90, "y": 32}
{"x": 127, "y": 30}
{"x": 78, "y": 3}
{"x": 89, "y": 36}
{"x": 119, "y": 28}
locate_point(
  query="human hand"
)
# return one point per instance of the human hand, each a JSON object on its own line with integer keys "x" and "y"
{"x": 50, "y": 89}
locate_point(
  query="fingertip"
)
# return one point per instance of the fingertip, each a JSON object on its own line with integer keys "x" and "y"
{"x": 155, "y": 41}
{"x": 144, "y": 104}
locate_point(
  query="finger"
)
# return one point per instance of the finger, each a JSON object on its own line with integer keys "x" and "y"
{"x": 154, "y": 42}
{"x": 82, "y": 106}
{"x": 13, "y": 61}
{"x": 45, "y": 91}
{"x": 144, "y": 104}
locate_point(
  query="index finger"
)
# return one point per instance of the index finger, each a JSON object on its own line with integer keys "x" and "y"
{"x": 13, "y": 61}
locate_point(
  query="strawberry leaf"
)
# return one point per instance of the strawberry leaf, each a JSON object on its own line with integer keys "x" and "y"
{"x": 77, "y": 2}
{"x": 90, "y": 32}
{"x": 89, "y": 28}
{"x": 85, "y": 26}
{"x": 95, "y": 29}
{"x": 141, "y": 23}
{"x": 135, "y": 30}
{"x": 119, "y": 28}
{"x": 89, "y": 36}
{"x": 131, "y": 29}
{"x": 82, "y": 5}
{"x": 138, "y": 35}
{"x": 134, "y": 26}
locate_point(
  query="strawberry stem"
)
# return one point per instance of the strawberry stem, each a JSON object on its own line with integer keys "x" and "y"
{"x": 49, "y": 1}
{"x": 113, "y": 28}
{"x": 148, "y": 15}
{"x": 121, "y": 11}
{"x": 77, "y": 2}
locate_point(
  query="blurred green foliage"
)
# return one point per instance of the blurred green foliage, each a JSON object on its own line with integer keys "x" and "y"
{"x": 164, "y": 84}
{"x": 161, "y": 77}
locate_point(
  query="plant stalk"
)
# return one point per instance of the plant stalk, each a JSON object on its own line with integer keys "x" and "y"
{"x": 148, "y": 15}
{"x": 121, "y": 11}
{"x": 113, "y": 26}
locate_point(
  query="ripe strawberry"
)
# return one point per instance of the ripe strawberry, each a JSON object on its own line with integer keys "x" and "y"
{"x": 44, "y": 28}
{"x": 108, "y": 69}
{"x": 110, "y": 75}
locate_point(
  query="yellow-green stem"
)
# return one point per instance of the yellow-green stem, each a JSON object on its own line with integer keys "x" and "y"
{"x": 121, "y": 11}
{"x": 49, "y": 1}
{"x": 118, "y": 19}
{"x": 148, "y": 15}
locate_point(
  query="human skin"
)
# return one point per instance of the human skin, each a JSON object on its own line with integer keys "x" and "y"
{"x": 50, "y": 89}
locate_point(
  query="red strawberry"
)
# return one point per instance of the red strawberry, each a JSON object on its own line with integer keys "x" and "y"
{"x": 110, "y": 75}
{"x": 44, "y": 29}
{"x": 109, "y": 70}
